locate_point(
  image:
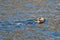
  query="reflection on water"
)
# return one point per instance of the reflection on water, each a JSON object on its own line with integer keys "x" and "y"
{"x": 17, "y": 20}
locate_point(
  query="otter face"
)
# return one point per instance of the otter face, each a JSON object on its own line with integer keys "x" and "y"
{"x": 40, "y": 20}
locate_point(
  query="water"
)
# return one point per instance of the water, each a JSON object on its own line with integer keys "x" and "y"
{"x": 17, "y": 19}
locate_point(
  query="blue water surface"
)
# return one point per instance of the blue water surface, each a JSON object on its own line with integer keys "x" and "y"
{"x": 17, "y": 19}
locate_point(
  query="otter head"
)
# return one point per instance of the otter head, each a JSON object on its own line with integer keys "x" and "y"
{"x": 40, "y": 20}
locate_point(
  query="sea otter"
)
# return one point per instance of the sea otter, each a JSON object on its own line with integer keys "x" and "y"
{"x": 39, "y": 20}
